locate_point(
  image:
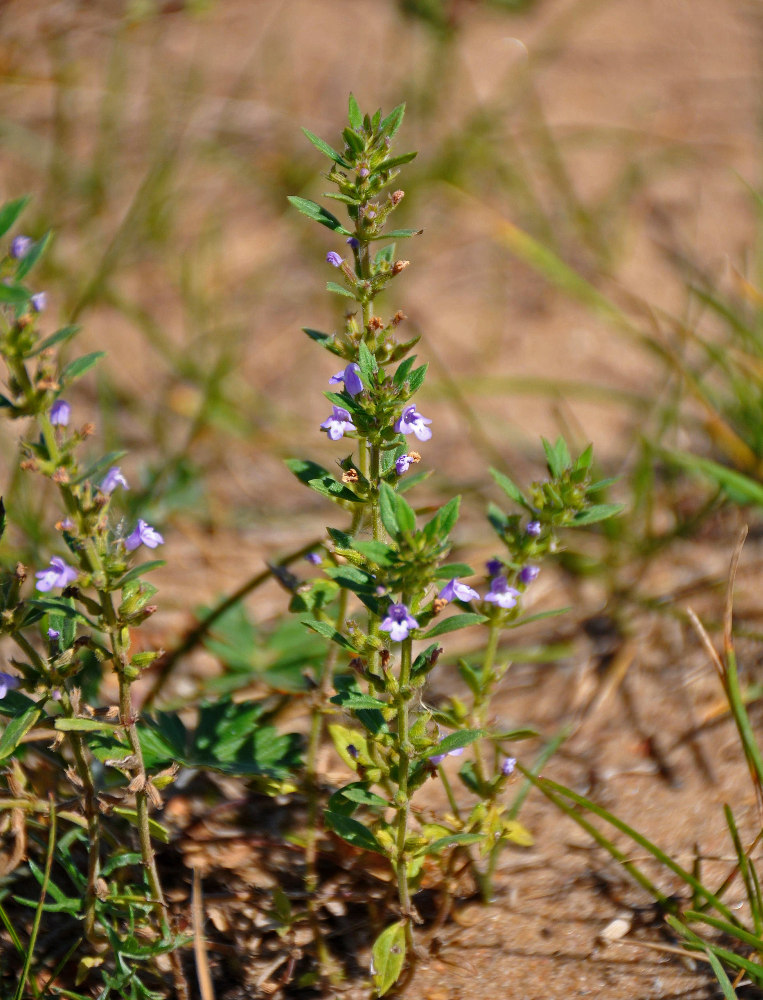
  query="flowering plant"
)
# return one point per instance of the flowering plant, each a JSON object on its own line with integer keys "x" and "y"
{"x": 393, "y": 568}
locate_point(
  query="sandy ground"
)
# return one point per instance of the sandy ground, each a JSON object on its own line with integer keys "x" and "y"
{"x": 667, "y": 87}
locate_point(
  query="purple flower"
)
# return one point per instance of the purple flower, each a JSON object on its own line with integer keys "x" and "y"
{"x": 20, "y": 247}
{"x": 350, "y": 377}
{"x": 39, "y": 301}
{"x": 67, "y": 524}
{"x": 411, "y": 422}
{"x": 494, "y": 567}
{"x": 438, "y": 758}
{"x": 398, "y": 622}
{"x": 508, "y": 766}
{"x": 534, "y": 528}
{"x": 338, "y": 423}
{"x": 7, "y": 681}
{"x": 363, "y": 172}
{"x": 143, "y": 534}
{"x": 53, "y": 634}
{"x": 501, "y": 593}
{"x": 403, "y": 464}
{"x": 352, "y": 751}
{"x": 455, "y": 591}
{"x": 58, "y": 574}
{"x": 353, "y": 242}
{"x": 313, "y": 558}
{"x": 528, "y": 573}
{"x": 333, "y": 258}
{"x": 60, "y": 412}
{"x": 112, "y": 479}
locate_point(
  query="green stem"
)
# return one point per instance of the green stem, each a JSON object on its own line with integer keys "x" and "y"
{"x": 402, "y": 799}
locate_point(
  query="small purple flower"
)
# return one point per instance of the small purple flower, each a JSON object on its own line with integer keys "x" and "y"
{"x": 352, "y": 751}
{"x": 351, "y": 378}
{"x": 534, "y": 528}
{"x": 501, "y": 593}
{"x": 494, "y": 567}
{"x": 403, "y": 464}
{"x": 60, "y": 412}
{"x": 112, "y": 479}
{"x": 508, "y": 766}
{"x": 455, "y": 591}
{"x": 39, "y": 301}
{"x": 333, "y": 258}
{"x": 58, "y": 574}
{"x": 143, "y": 534}
{"x": 338, "y": 423}
{"x": 7, "y": 681}
{"x": 398, "y": 622}
{"x": 352, "y": 242}
{"x": 438, "y": 758}
{"x": 53, "y": 634}
{"x": 363, "y": 173}
{"x": 20, "y": 246}
{"x": 528, "y": 573}
{"x": 412, "y": 422}
{"x": 67, "y": 524}
{"x": 313, "y": 558}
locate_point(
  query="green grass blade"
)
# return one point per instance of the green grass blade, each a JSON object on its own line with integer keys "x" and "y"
{"x": 40, "y": 905}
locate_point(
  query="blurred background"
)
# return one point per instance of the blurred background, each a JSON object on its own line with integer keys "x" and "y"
{"x": 587, "y": 182}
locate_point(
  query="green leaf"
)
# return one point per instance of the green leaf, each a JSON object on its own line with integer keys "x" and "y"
{"x": 326, "y": 340}
{"x": 318, "y": 214}
{"x": 353, "y": 700}
{"x": 332, "y": 286}
{"x": 388, "y": 957}
{"x": 396, "y": 161}
{"x": 416, "y": 378}
{"x": 16, "y": 730}
{"x": 138, "y": 571}
{"x": 454, "y": 623}
{"x": 509, "y": 488}
{"x": 353, "y": 140}
{"x": 358, "y": 794}
{"x": 77, "y": 368}
{"x": 157, "y": 831}
{"x": 32, "y": 255}
{"x": 404, "y": 514}
{"x": 65, "y": 333}
{"x": 393, "y": 121}
{"x": 15, "y": 295}
{"x": 353, "y": 832}
{"x": 600, "y": 512}
{"x": 319, "y": 479}
{"x": 329, "y": 632}
{"x": 557, "y": 456}
{"x": 367, "y": 363}
{"x": 10, "y": 211}
{"x": 354, "y": 114}
{"x": 402, "y": 234}
{"x": 448, "y": 516}
{"x": 738, "y": 487}
{"x": 425, "y": 661}
{"x": 59, "y": 606}
{"x": 450, "y": 570}
{"x": 83, "y": 726}
{"x": 376, "y": 552}
{"x": 325, "y": 148}
{"x": 401, "y": 374}
{"x": 452, "y": 840}
{"x": 388, "y": 508}
{"x": 454, "y": 741}
{"x": 95, "y": 470}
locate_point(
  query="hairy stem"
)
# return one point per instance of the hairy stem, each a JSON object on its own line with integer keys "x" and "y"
{"x": 402, "y": 799}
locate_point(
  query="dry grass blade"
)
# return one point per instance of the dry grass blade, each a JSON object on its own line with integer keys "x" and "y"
{"x": 728, "y": 640}
{"x": 707, "y": 642}
{"x": 203, "y": 973}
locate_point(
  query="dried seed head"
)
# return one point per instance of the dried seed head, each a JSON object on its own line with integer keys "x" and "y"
{"x": 399, "y": 265}
{"x": 351, "y": 476}
{"x": 376, "y": 323}
{"x": 396, "y": 197}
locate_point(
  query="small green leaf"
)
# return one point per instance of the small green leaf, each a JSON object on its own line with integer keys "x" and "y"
{"x": 319, "y": 479}
{"x": 396, "y": 161}
{"x": 600, "y": 512}
{"x": 388, "y": 957}
{"x": 387, "y": 509}
{"x": 509, "y": 488}
{"x": 318, "y": 214}
{"x": 354, "y": 114}
{"x": 324, "y": 339}
{"x": 77, "y": 368}
{"x": 15, "y": 295}
{"x": 376, "y": 552}
{"x": 59, "y": 606}
{"x": 454, "y": 741}
{"x": 454, "y": 623}
{"x": 402, "y": 234}
{"x": 329, "y": 632}
{"x": 353, "y": 700}
{"x": 452, "y": 840}
{"x": 332, "y": 286}
{"x": 138, "y": 571}
{"x": 404, "y": 514}
{"x": 450, "y": 570}
{"x": 353, "y": 832}
{"x": 367, "y": 363}
{"x": 16, "y": 730}
{"x": 353, "y": 140}
{"x": 393, "y": 121}
{"x": 325, "y": 148}
{"x": 32, "y": 255}
{"x": 83, "y": 726}
{"x": 416, "y": 378}
{"x": 65, "y": 333}
{"x": 10, "y": 211}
